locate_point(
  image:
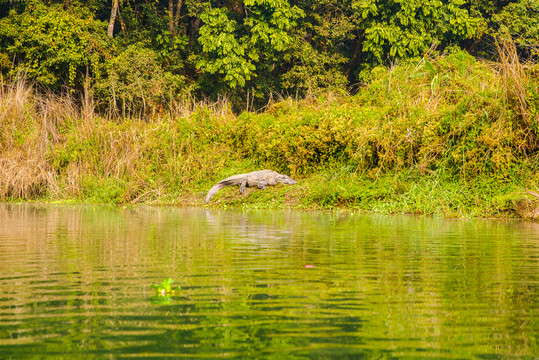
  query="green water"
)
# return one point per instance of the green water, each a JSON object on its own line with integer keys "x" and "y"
{"x": 75, "y": 282}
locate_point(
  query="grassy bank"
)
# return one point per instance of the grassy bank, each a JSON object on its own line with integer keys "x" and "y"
{"x": 451, "y": 136}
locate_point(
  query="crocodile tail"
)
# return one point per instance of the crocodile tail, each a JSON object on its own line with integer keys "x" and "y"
{"x": 214, "y": 190}
{"x": 232, "y": 180}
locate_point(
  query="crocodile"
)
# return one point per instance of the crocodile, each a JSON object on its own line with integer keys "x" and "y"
{"x": 260, "y": 179}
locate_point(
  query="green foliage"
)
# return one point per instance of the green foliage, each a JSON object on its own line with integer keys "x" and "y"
{"x": 438, "y": 115}
{"x": 436, "y": 135}
{"x": 520, "y": 21}
{"x": 138, "y": 85}
{"x": 54, "y": 46}
{"x": 164, "y": 292}
{"x": 269, "y": 23}
{"x": 233, "y": 49}
{"x": 170, "y": 50}
{"x": 222, "y": 52}
{"x": 325, "y": 50}
{"x": 409, "y": 192}
{"x": 245, "y": 50}
{"x": 313, "y": 69}
{"x": 165, "y": 286}
{"x": 409, "y": 28}
{"x": 296, "y": 145}
{"x": 98, "y": 190}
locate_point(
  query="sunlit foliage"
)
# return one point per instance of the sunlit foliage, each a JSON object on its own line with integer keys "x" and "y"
{"x": 246, "y": 50}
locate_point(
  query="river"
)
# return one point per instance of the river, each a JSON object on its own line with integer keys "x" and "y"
{"x": 76, "y": 281}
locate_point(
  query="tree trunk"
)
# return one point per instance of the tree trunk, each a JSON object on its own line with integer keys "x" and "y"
{"x": 177, "y": 17}
{"x": 113, "y": 13}
{"x": 171, "y": 17}
{"x": 356, "y": 57}
{"x": 195, "y": 24}
{"x": 122, "y": 23}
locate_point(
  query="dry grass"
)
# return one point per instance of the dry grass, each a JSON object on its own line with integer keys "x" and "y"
{"x": 23, "y": 177}
{"x": 515, "y": 80}
{"x": 54, "y": 146}
{"x": 23, "y": 169}
{"x": 30, "y": 123}
{"x": 14, "y": 108}
{"x": 528, "y": 209}
{"x": 184, "y": 108}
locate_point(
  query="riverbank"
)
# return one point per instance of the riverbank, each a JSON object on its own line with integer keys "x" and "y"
{"x": 451, "y": 136}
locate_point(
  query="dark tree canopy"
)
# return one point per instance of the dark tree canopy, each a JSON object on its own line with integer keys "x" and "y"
{"x": 177, "y": 48}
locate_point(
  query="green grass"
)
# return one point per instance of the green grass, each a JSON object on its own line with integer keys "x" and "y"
{"x": 394, "y": 193}
{"x": 447, "y": 139}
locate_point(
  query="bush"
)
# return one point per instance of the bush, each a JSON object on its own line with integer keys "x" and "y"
{"x": 445, "y": 114}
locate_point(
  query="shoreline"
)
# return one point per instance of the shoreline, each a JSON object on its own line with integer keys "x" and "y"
{"x": 460, "y": 150}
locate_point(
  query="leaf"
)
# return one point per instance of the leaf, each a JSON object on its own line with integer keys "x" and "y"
{"x": 428, "y": 65}
{"x": 165, "y": 286}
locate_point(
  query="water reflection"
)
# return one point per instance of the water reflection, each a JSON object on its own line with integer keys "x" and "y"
{"x": 75, "y": 281}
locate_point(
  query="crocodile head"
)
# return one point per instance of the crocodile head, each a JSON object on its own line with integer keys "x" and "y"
{"x": 287, "y": 180}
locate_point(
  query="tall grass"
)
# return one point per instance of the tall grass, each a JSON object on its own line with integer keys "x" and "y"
{"x": 515, "y": 80}
{"x": 58, "y": 147}
{"x": 432, "y": 132}
{"x": 24, "y": 171}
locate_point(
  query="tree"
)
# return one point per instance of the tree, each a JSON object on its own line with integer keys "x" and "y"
{"x": 174, "y": 16}
{"x": 112, "y": 21}
{"x": 53, "y": 46}
{"x": 234, "y": 45}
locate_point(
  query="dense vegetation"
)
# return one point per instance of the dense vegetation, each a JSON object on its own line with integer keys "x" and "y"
{"x": 142, "y": 57}
{"x": 446, "y": 135}
{"x": 416, "y": 107}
